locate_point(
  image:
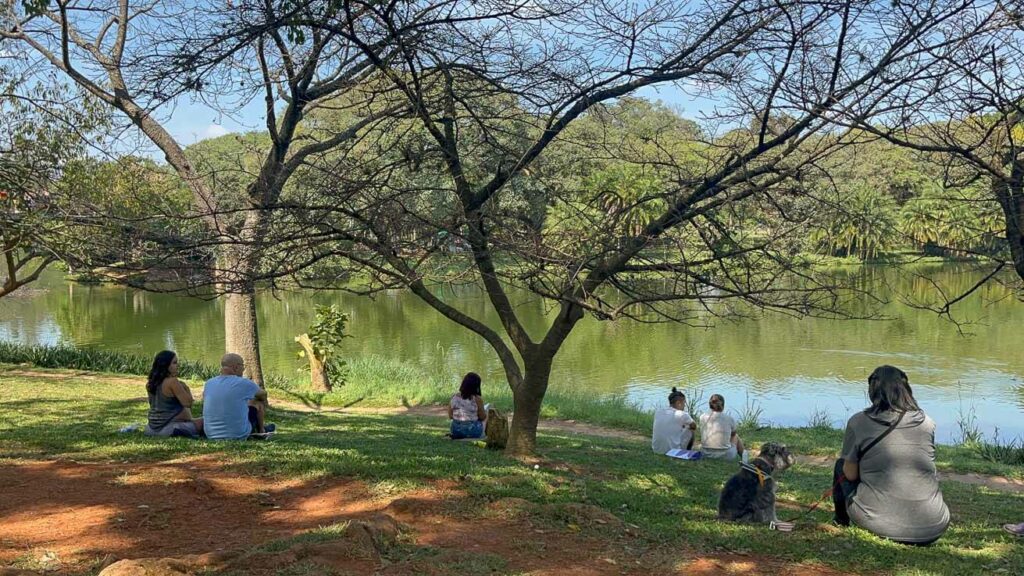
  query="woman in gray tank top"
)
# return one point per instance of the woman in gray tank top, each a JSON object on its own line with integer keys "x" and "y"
{"x": 885, "y": 478}
{"x": 170, "y": 400}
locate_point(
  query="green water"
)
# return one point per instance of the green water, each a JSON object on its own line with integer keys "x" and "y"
{"x": 790, "y": 367}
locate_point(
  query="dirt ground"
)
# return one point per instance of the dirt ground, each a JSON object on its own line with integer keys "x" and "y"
{"x": 68, "y": 518}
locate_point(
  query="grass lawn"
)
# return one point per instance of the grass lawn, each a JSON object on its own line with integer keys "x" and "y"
{"x": 70, "y": 415}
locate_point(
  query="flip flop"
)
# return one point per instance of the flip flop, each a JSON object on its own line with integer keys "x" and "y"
{"x": 1015, "y": 529}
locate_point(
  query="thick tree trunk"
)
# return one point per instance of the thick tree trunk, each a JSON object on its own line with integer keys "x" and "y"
{"x": 241, "y": 333}
{"x": 238, "y": 265}
{"x": 1015, "y": 232}
{"x": 1010, "y": 194}
{"x": 317, "y": 371}
{"x": 527, "y": 400}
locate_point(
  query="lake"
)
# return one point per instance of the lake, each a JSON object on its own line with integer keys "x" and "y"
{"x": 789, "y": 367}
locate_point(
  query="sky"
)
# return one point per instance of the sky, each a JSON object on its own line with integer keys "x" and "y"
{"x": 192, "y": 121}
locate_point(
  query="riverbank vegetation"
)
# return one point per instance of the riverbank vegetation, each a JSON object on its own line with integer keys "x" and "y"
{"x": 668, "y": 505}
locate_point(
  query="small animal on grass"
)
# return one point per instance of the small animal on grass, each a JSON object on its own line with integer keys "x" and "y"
{"x": 749, "y": 496}
{"x": 497, "y": 430}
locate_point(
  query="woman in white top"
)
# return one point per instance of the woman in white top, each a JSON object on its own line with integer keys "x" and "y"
{"x": 718, "y": 432}
{"x": 673, "y": 427}
{"x": 466, "y": 409}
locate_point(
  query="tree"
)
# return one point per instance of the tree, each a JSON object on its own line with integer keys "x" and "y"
{"x": 37, "y": 142}
{"x": 497, "y": 91}
{"x": 864, "y": 225}
{"x": 321, "y": 346}
{"x": 138, "y": 60}
{"x": 962, "y": 109}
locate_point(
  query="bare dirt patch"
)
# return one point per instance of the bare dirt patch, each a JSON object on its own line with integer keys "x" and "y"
{"x": 69, "y": 518}
{"x": 737, "y": 564}
{"x": 66, "y": 516}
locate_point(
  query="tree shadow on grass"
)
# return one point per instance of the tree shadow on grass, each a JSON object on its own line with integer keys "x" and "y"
{"x": 673, "y": 501}
{"x": 676, "y": 501}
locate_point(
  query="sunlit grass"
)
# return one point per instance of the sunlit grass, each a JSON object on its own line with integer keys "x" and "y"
{"x": 673, "y": 502}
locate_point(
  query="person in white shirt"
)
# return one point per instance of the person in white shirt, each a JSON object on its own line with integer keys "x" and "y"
{"x": 718, "y": 432}
{"x": 673, "y": 426}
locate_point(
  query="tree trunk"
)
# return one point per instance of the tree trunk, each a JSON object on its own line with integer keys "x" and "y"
{"x": 1010, "y": 195}
{"x": 241, "y": 333}
{"x": 1015, "y": 231}
{"x": 527, "y": 400}
{"x": 317, "y": 372}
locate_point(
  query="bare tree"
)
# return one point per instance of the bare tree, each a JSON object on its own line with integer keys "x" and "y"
{"x": 962, "y": 108}
{"x": 475, "y": 190}
{"x": 140, "y": 57}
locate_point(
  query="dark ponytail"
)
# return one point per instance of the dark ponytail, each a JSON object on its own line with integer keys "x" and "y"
{"x": 675, "y": 395}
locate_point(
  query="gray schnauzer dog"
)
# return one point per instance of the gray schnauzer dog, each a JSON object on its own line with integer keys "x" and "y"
{"x": 749, "y": 496}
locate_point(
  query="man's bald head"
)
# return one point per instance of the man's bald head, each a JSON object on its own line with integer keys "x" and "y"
{"x": 232, "y": 363}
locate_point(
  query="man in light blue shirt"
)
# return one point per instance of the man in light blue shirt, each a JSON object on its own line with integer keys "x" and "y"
{"x": 233, "y": 405}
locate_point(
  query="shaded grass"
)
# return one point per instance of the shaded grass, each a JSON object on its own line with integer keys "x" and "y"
{"x": 671, "y": 501}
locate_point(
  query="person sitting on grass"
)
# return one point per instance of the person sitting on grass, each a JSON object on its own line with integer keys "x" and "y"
{"x": 170, "y": 400}
{"x": 885, "y": 479}
{"x": 466, "y": 409}
{"x": 673, "y": 426}
{"x": 233, "y": 406}
{"x": 718, "y": 438}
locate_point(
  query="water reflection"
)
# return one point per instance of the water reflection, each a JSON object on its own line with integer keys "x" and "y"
{"x": 790, "y": 366}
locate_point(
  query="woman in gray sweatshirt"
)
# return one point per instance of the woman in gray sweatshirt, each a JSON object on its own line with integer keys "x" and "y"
{"x": 885, "y": 478}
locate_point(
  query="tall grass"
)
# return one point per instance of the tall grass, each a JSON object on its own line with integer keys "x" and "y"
{"x": 996, "y": 450}
{"x": 65, "y": 356}
{"x": 751, "y": 416}
{"x": 820, "y": 419}
{"x": 695, "y": 403}
{"x": 380, "y": 381}
{"x": 967, "y": 423}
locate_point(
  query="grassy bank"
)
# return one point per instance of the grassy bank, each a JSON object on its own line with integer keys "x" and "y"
{"x": 64, "y": 356}
{"x": 378, "y": 381}
{"x": 672, "y": 502}
{"x": 375, "y": 381}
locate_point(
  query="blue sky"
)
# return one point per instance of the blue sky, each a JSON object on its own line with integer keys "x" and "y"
{"x": 192, "y": 121}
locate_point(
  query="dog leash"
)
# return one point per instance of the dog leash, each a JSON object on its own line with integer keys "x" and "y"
{"x": 824, "y": 496}
{"x": 860, "y": 456}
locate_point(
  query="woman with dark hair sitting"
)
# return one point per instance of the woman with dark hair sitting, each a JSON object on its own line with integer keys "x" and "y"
{"x": 170, "y": 400}
{"x": 885, "y": 478}
{"x": 466, "y": 409}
